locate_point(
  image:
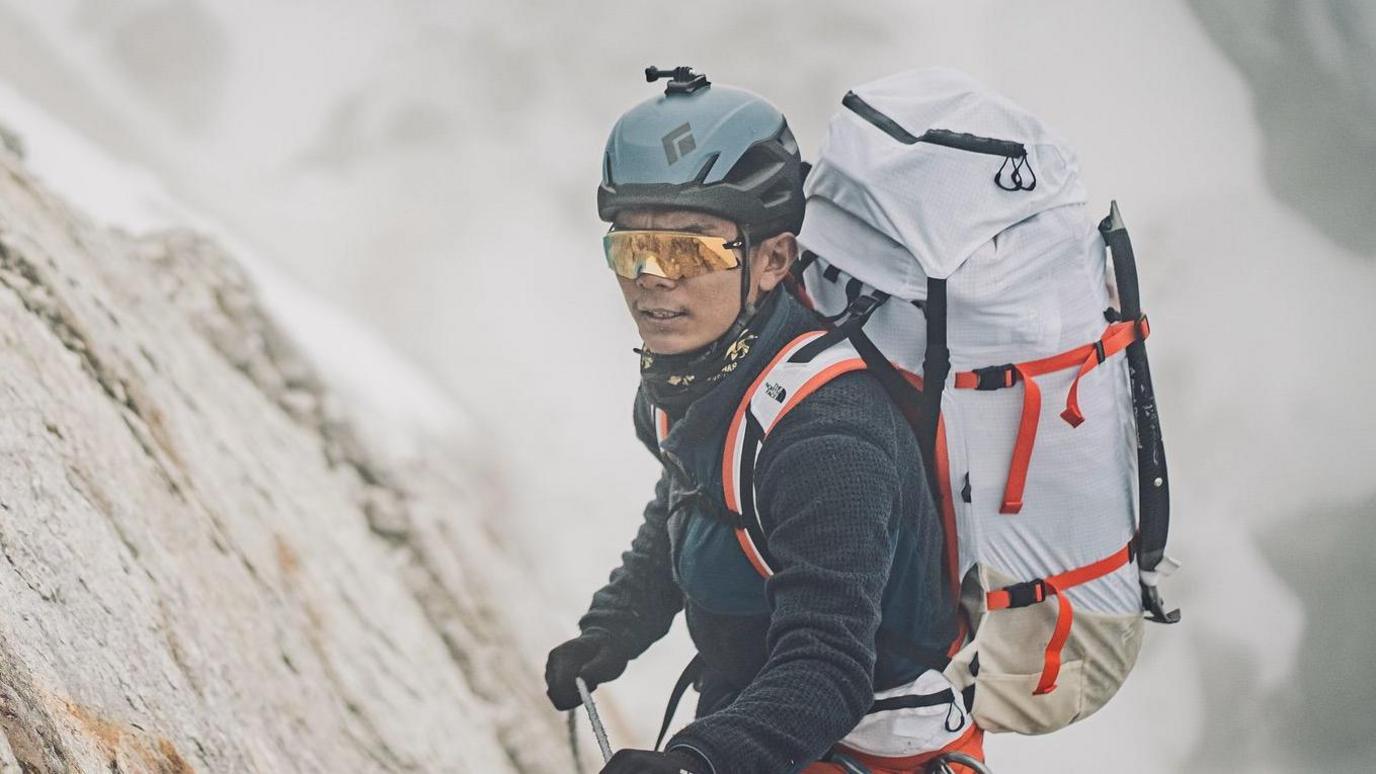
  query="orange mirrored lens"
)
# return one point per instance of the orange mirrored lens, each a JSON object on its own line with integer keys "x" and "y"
{"x": 668, "y": 254}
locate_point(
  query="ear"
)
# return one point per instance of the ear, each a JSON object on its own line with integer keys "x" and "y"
{"x": 772, "y": 260}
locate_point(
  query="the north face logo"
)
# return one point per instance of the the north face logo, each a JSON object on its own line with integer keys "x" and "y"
{"x": 679, "y": 143}
{"x": 776, "y": 391}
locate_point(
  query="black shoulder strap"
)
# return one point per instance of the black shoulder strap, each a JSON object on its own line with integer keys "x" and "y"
{"x": 920, "y": 407}
{"x": 936, "y": 364}
{"x": 690, "y": 675}
{"x": 852, "y": 327}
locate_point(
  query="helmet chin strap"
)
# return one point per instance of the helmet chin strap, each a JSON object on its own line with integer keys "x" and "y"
{"x": 747, "y": 309}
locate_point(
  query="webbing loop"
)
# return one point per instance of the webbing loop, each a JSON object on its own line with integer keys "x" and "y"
{"x": 1116, "y": 337}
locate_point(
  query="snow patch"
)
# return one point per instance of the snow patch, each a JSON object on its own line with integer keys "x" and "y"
{"x": 399, "y": 408}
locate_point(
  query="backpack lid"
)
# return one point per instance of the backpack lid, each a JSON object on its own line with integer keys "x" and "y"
{"x": 938, "y": 203}
{"x": 840, "y": 238}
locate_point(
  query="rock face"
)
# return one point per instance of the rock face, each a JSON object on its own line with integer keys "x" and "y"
{"x": 203, "y": 569}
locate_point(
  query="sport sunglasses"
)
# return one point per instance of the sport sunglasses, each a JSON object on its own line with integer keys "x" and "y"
{"x": 669, "y": 254}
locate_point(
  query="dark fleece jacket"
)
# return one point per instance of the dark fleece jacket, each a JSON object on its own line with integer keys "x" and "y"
{"x": 856, "y": 545}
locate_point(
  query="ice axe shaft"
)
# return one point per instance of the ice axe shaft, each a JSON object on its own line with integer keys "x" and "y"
{"x": 598, "y": 730}
{"x": 1153, "y": 484}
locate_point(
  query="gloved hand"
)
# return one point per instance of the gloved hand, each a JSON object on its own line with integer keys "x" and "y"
{"x": 592, "y": 656}
{"x": 646, "y": 762}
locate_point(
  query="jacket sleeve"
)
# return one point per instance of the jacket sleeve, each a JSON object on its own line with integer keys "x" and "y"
{"x": 640, "y": 600}
{"x": 829, "y": 496}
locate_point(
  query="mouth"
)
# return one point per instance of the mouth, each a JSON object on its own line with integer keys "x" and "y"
{"x": 661, "y": 314}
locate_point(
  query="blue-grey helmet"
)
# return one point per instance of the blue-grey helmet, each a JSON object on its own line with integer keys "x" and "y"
{"x": 717, "y": 149}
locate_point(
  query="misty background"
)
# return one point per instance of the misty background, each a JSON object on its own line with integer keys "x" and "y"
{"x": 429, "y": 169}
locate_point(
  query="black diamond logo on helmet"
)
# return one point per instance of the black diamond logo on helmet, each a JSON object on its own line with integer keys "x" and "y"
{"x": 679, "y": 143}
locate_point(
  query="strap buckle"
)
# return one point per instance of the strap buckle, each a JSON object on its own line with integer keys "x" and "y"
{"x": 996, "y": 377}
{"x": 1026, "y": 593}
{"x": 864, "y": 305}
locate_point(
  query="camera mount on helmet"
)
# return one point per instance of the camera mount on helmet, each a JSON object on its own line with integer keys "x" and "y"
{"x": 682, "y": 80}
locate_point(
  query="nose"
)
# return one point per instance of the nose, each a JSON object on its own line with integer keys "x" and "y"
{"x": 654, "y": 282}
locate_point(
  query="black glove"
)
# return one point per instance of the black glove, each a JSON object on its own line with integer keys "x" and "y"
{"x": 592, "y": 656}
{"x": 646, "y": 762}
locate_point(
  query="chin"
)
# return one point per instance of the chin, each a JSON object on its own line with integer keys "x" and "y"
{"x": 671, "y": 344}
{"x": 661, "y": 345}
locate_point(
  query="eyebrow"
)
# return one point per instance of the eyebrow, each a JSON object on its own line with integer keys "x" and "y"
{"x": 696, "y": 227}
{"x": 693, "y": 227}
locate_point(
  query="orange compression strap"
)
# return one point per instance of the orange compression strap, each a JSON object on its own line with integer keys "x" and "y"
{"x": 1032, "y": 592}
{"x": 1051, "y": 661}
{"x": 1022, "y": 447}
{"x": 1114, "y": 339}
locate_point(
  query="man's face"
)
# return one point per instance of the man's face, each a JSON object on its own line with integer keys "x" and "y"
{"x": 676, "y": 316}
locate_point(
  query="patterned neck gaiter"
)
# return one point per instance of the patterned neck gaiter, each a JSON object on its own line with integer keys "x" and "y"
{"x": 673, "y": 382}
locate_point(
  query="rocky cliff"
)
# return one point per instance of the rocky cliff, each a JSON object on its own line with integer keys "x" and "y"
{"x": 204, "y": 567}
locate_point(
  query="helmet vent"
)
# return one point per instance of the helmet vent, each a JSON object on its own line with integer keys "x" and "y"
{"x": 777, "y": 194}
{"x": 754, "y": 167}
{"x": 786, "y": 140}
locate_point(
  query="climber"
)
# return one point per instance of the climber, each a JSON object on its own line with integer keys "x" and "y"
{"x": 815, "y": 591}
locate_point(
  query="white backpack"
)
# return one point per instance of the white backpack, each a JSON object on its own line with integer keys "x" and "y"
{"x": 946, "y": 237}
